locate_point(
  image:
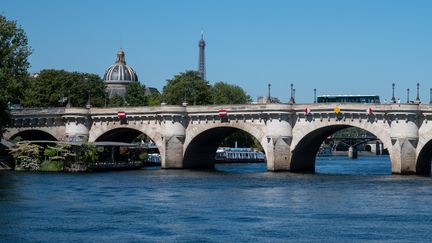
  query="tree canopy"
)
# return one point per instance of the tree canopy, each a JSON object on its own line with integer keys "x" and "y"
{"x": 189, "y": 87}
{"x": 116, "y": 101}
{"x": 4, "y": 116}
{"x": 135, "y": 94}
{"x": 54, "y": 88}
{"x": 224, "y": 93}
{"x": 14, "y": 51}
{"x": 154, "y": 99}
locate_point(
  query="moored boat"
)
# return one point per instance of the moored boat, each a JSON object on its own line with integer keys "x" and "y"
{"x": 239, "y": 155}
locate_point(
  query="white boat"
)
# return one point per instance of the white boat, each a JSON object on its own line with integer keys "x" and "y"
{"x": 238, "y": 155}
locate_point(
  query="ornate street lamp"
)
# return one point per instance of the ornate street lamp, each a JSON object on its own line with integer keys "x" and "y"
{"x": 430, "y": 95}
{"x": 408, "y": 96}
{"x": 269, "y": 97}
{"x": 105, "y": 99}
{"x": 418, "y": 95}
{"x": 69, "y": 100}
{"x": 393, "y": 99}
{"x": 89, "y": 100}
{"x": 292, "y": 94}
{"x": 314, "y": 96}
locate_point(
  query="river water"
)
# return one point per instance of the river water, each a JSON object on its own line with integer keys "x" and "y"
{"x": 345, "y": 201}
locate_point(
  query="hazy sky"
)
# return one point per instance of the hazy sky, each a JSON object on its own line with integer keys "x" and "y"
{"x": 337, "y": 47}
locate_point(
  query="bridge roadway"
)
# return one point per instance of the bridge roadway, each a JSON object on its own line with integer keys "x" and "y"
{"x": 188, "y": 136}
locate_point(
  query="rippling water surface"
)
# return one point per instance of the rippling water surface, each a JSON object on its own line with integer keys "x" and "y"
{"x": 346, "y": 200}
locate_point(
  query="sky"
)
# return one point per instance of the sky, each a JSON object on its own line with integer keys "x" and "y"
{"x": 337, "y": 47}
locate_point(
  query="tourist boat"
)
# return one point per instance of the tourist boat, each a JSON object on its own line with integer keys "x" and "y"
{"x": 239, "y": 155}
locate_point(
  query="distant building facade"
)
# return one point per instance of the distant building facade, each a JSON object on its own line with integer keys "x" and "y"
{"x": 265, "y": 99}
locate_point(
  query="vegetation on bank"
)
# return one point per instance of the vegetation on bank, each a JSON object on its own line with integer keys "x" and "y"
{"x": 61, "y": 157}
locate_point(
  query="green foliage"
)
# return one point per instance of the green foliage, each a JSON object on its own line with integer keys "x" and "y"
{"x": 88, "y": 153}
{"x": 135, "y": 94}
{"x": 116, "y": 101}
{"x": 49, "y": 86}
{"x": 60, "y": 152}
{"x": 51, "y": 166}
{"x": 187, "y": 86}
{"x": 26, "y": 156}
{"x": 14, "y": 51}
{"x": 143, "y": 156}
{"x": 154, "y": 99}
{"x": 243, "y": 139}
{"x": 17, "y": 139}
{"x": 352, "y": 132}
{"x": 5, "y": 117}
{"x": 224, "y": 93}
{"x": 49, "y": 152}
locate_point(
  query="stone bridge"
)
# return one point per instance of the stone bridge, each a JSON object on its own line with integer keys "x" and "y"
{"x": 188, "y": 136}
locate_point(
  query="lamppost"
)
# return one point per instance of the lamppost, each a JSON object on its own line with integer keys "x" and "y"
{"x": 105, "y": 99}
{"x": 292, "y": 94}
{"x": 393, "y": 99}
{"x": 430, "y": 95}
{"x": 89, "y": 100}
{"x": 418, "y": 95}
{"x": 184, "y": 98}
{"x": 408, "y": 95}
{"x": 194, "y": 94}
{"x": 269, "y": 97}
{"x": 69, "y": 100}
{"x": 314, "y": 96}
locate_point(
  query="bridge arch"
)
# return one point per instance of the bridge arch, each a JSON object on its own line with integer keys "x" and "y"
{"x": 202, "y": 142}
{"x": 308, "y": 136}
{"x": 424, "y": 158}
{"x": 124, "y": 134}
{"x": 33, "y": 135}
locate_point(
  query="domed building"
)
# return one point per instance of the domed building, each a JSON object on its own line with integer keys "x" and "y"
{"x": 118, "y": 76}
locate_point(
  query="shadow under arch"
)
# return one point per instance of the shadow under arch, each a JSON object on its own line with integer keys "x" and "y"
{"x": 423, "y": 165}
{"x": 124, "y": 135}
{"x": 33, "y": 135}
{"x": 201, "y": 151}
{"x": 304, "y": 154}
{"x": 127, "y": 135}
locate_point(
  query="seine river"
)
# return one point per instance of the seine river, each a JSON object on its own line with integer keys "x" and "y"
{"x": 345, "y": 201}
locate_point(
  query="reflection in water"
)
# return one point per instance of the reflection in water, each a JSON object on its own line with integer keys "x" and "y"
{"x": 347, "y": 200}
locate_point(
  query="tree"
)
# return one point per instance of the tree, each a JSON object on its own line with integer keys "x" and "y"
{"x": 14, "y": 51}
{"x": 54, "y": 88}
{"x": 88, "y": 153}
{"x": 116, "y": 101}
{"x": 135, "y": 94}
{"x": 154, "y": 99}
{"x": 189, "y": 87}
{"x": 224, "y": 93}
{"x": 26, "y": 155}
{"x": 5, "y": 118}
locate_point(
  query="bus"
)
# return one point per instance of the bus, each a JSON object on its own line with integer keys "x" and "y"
{"x": 348, "y": 99}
